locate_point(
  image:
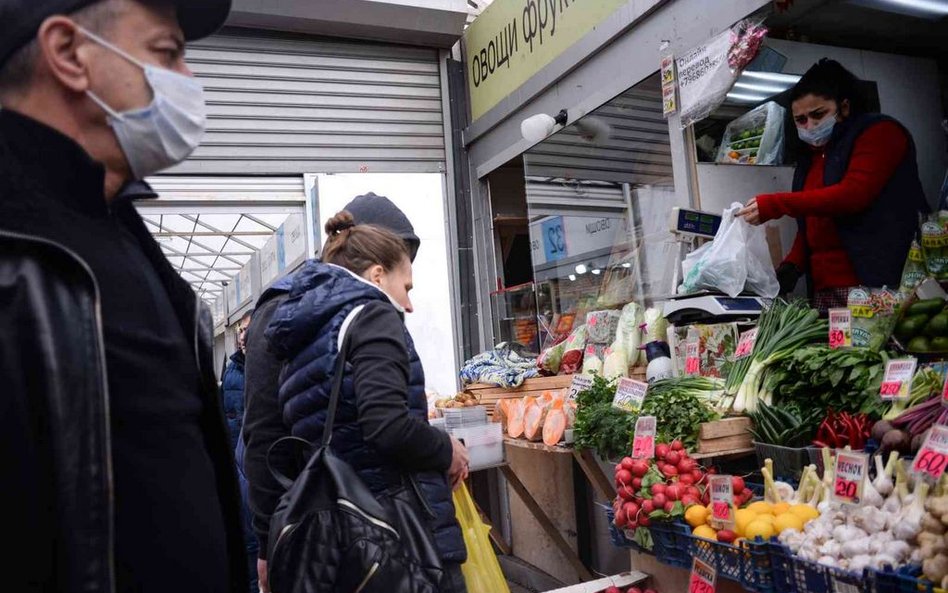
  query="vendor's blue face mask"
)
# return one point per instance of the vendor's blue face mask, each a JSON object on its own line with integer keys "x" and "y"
{"x": 819, "y": 134}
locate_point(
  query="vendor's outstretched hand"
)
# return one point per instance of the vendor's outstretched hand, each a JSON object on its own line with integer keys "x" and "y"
{"x": 751, "y": 213}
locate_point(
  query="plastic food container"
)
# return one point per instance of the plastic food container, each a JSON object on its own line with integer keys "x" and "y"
{"x": 455, "y": 418}
{"x": 485, "y": 444}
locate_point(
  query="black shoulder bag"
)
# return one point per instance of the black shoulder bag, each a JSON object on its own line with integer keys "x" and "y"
{"x": 329, "y": 534}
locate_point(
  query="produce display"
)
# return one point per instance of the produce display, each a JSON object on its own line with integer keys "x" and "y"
{"x": 679, "y": 405}
{"x": 543, "y": 418}
{"x": 923, "y": 327}
{"x": 755, "y": 138}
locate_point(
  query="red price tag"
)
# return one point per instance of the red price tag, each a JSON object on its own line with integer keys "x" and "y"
{"x": 944, "y": 394}
{"x": 643, "y": 443}
{"x": 846, "y": 488}
{"x": 840, "y": 328}
{"x": 932, "y": 458}
{"x": 703, "y": 577}
{"x": 890, "y": 388}
{"x": 692, "y": 362}
{"x": 849, "y": 476}
{"x": 897, "y": 380}
{"x": 722, "y": 502}
{"x": 643, "y": 447}
{"x": 746, "y": 344}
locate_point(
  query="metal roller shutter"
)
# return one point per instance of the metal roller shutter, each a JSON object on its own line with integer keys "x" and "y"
{"x": 281, "y": 104}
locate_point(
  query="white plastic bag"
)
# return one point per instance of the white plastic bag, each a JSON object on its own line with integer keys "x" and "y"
{"x": 736, "y": 260}
{"x": 755, "y": 138}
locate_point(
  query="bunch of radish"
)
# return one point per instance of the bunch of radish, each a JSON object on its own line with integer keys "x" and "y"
{"x": 659, "y": 488}
{"x": 629, "y": 590}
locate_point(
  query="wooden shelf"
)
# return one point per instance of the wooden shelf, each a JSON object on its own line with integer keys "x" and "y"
{"x": 731, "y": 453}
{"x": 538, "y": 446}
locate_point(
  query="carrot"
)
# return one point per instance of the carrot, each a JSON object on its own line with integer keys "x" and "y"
{"x": 555, "y": 424}
{"x": 515, "y": 419}
{"x": 533, "y": 419}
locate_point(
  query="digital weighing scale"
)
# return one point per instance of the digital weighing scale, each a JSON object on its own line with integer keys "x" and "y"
{"x": 708, "y": 307}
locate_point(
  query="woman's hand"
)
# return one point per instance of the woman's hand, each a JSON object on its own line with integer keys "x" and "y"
{"x": 460, "y": 459}
{"x": 751, "y": 213}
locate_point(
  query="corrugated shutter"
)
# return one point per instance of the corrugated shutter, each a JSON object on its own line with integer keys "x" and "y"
{"x": 251, "y": 189}
{"x": 635, "y": 149}
{"x": 561, "y": 197}
{"x": 282, "y": 104}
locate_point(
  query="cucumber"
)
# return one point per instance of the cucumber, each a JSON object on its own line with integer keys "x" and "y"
{"x": 939, "y": 344}
{"x": 919, "y": 344}
{"x": 938, "y": 326}
{"x": 926, "y": 307}
{"x": 910, "y": 327}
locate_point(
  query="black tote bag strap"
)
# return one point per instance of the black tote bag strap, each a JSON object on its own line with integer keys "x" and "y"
{"x": 301, "y": 446}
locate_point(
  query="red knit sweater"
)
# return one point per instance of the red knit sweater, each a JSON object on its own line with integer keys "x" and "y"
{"x": 876, "y": 154}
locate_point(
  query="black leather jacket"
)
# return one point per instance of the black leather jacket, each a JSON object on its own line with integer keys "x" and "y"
{"x": 55, "y": 461}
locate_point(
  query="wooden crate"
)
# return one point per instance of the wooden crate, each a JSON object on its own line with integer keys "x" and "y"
{"x": 727, "y": 434}
{"x": 489, "y": 395}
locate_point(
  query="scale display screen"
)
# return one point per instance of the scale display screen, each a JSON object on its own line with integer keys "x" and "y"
{"x": 699, "y": 223}
{"x": 739, "y": 304}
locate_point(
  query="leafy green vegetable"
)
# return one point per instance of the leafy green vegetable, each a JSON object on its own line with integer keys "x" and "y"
{"x": 679, "y": 406}
{"x": 787, "y": 427}
{"x": 643, "y": 537}
{"x": 814, "y": 379}
{"x": 599, "y": 426}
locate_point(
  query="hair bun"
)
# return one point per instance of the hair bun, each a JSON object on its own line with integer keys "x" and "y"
{"x": 341, "y": 221}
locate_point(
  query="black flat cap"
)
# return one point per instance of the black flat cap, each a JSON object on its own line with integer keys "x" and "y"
{"x": 21, "y": 18}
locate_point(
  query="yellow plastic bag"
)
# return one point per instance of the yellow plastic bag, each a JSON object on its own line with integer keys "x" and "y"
{"x": 482, "y": 572}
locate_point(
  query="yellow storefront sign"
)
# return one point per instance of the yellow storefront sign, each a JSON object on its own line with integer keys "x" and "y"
{"x": 513, "y": 39}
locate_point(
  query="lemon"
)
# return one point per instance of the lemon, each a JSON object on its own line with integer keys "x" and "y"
{"x": 805, "y": 512}
{"x": 766, "y": 517}
{"x": 705, "y": 532}
{"x": 781, "y": 508}
{"x": 759, "y": 528}
{"x": 788, "y": 521}
{"x": 761, "y": 507}
{"x": 743, "y": 518}
{"x": 696, "y": 515}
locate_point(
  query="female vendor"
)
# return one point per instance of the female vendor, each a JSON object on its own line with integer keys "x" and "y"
{"x": 856, "y": 191}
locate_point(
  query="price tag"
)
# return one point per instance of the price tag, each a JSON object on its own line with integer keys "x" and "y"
{"x": 703, "y": 577}
{"x": 897, "y": 382}
{"x": 722, "y": 501}
{"x": 643, "y": 443}
{"x": 692, "y": 361}
{"x": 849, "y": 476}
{"x": 944, "y": 393}
{"x": 933, "y": 456}
{"x": 840, "y": 328}
{"x": 580, "y": 383}
{"x": 746, "y": 344}
{"x": 630, "y": 394}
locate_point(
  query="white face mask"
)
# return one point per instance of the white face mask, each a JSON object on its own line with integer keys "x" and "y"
{"x": 166, "y": 131}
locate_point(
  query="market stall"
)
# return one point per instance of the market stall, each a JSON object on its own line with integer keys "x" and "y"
{"x": 637, "y": 290}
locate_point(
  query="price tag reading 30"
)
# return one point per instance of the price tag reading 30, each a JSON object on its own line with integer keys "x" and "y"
{"x": 692, "y": 360}
{"x": 840, "y": 328}
{"x": 745, "y": 345}
{"x": 933, "y": 456}
{"x": 897, "y": 381}
{"x": 703, "y": 577}
{"x": 722, "y": 501}
{"x": 630, "y": 394}
{"x": 849, "y": 476}
{"x": 643, "y": 443}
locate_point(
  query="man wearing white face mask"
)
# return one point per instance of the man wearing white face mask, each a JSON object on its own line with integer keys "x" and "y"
{"x": 117, "y": 467}
{"x": 856, "y": 177}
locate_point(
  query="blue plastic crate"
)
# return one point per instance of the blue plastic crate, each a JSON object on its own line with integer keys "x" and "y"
{"x": 671, "y": 539}
{"x": 795, "y": 575}
{"x": 907, "y": 579}
{"x": 747, "y": 563}
{"x": 617, "y": 536}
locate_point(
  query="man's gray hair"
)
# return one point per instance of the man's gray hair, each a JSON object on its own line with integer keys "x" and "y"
{"x": 17, "y": 72}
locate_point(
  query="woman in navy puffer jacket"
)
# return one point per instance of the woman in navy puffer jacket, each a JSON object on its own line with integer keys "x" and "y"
{"x": 381, "y": 426}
